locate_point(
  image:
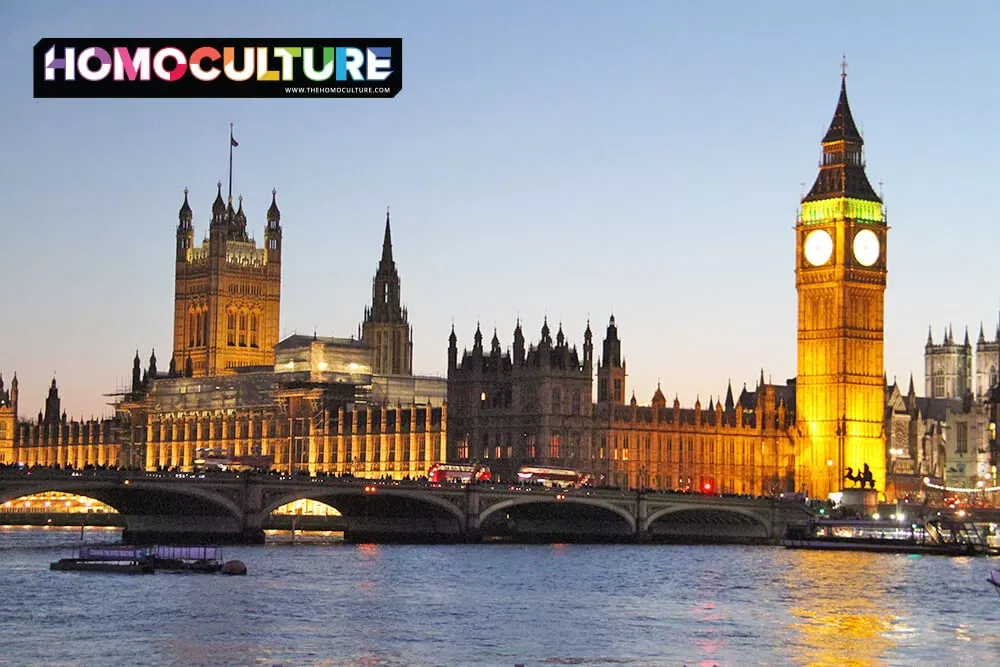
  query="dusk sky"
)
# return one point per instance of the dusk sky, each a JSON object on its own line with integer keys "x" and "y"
{"x": 568, "y": 159}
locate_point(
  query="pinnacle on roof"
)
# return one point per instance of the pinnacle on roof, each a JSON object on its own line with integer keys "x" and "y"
{"x": 240, "y": 215}
{"x": 273, "y": 214}
{"x": 219, "y": 205}
{"x": 185, "y": 212}
{"x": 387, "y": 242}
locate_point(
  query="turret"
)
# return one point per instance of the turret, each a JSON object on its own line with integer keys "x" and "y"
{"x": 611, "y": 368}
{"x": 218, "y": 229}
{"x": 185, "y": 230}
{"x": 272, "y": 232}
{"x": 477, "y": 341}
{"x": 495, "y": 345}
{"x": 452, "y": 350}
{"x": 518, "y": 344}
{"x": 13, "y": 394}
{"x": 136, "y": 372}
{"x": 588, "y": 349}
{"x": 659, "y": 400}
{"x": 52, "y": 404}
{"x": 152, "y": 365}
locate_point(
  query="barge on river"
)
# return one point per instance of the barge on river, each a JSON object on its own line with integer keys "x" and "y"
{"x": 942, "y": 537}
{"x": 142, "y": 560}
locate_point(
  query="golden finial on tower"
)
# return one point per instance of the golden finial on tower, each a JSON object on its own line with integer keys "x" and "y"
{"x": 843, "y": 67}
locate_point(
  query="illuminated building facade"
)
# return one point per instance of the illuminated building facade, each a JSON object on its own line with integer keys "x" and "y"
{"x": 743, "y": 446}
{"x": 53, "y": 439}
{"x": 526, "y": 406}
{"x": 308, "y": 404}
{"x": 227, "y": 292}
{"x": 840, "y": 272}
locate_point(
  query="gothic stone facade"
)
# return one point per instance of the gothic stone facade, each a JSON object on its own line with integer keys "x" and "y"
{"x": 529, "y": 405}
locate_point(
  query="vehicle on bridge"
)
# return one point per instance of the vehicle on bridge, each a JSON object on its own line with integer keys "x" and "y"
{"x": 563, "y": 477}
{"x": 458, "y": 472}
{"x": 233, "y": 463}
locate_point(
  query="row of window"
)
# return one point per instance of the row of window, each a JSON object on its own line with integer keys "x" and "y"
{"x": 248, "y": 290}
{"x": 241, "y": 329}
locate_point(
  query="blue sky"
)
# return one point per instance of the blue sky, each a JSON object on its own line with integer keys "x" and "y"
{"x": 568, "y": 159}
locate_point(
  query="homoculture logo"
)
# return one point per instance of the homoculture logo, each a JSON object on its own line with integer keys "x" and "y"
{"x": 338, "y": 67}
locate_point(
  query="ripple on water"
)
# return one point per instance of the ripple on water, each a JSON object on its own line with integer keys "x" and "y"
{"x": 502, "y": 605}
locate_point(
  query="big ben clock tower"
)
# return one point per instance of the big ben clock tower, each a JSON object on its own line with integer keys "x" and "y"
{"x": 840, "y": 270}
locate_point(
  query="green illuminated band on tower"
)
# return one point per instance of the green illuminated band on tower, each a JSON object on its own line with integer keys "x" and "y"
{"x": 842, "y": 208}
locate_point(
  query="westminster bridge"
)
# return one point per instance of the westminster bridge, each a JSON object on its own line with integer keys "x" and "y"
{"x": 235, "y": 507}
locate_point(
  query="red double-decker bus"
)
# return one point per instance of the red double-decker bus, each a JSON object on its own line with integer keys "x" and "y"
{"x": 458, "y": 472}
{"x": 563, "y": 477}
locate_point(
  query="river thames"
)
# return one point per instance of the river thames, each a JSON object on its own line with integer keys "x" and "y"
{"x": 500, "y": 605}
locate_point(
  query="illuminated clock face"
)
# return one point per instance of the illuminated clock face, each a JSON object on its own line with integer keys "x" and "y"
{"x": 818, "y": 247}
{"x": 866, "y": 247}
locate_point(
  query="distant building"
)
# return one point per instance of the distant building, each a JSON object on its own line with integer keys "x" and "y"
{"x": 308, "y": 404}
{"x": 526, "y": 405}
{"x": 944, "y": 439}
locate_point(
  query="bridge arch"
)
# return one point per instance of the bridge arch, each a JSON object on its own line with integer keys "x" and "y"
{"x": 117, "y": 495}
{"x": 746, "y": 516}
{"x": 624, "y": 514}
{"x": 330, "y": 496}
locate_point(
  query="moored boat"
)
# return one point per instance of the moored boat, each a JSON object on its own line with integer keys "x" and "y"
{"x": 145, "y": 560}
{"x": 118, "y": 559}
{"x": 942, "y": 537}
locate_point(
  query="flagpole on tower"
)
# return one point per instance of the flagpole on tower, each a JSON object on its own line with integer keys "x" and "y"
{"x": 232, "y": 142}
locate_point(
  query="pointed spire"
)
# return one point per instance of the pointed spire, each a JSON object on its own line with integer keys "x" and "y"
{"x": 387, "y": 241}
{"x": 241, "y": 217}
{"x": 930, "y": 336}
{"x": 982, "y": 334}
{"x": 452, "y": 339}
{"x": 185, "y": 215}
{"x": 911, "y": 391}
{"x": 843, "y": 127}
{"x": 730, "y": 403}
{"x": 273, "y": 214}
{"x": 219, "y": 205}
{"x": 842, "y": 172}
{"x": 966, "y": 343}
{"x": 760, "y": 383}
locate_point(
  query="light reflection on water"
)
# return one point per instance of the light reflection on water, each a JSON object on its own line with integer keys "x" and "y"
{"x": 500, "y": 605}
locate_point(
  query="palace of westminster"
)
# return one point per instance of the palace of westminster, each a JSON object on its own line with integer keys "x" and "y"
{"x": 320, "y": 405}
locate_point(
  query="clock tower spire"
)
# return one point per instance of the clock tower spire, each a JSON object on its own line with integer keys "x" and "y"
{"x": 840, "y": 277}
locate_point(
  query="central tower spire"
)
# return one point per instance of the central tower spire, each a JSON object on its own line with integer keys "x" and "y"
{"x": 385, "y": 327}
